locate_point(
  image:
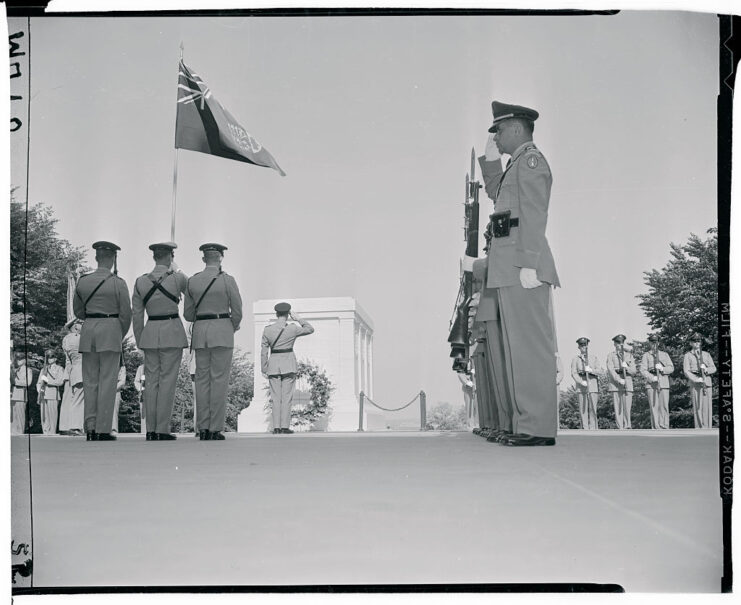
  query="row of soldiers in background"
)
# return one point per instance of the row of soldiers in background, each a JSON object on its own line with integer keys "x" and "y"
{"x": 655, "y": 366}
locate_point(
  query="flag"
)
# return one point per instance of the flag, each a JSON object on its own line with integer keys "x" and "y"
{"x": 203, "y": 124}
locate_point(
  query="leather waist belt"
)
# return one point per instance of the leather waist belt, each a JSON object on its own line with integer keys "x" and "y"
{"x": 282, "y": 351}
{"x": 652, "y": 370}
{"x": 100, "y": 315}
{"x": 163, "y": 317}
{"x": 214, "y": 316}
{"x": 582, "y": 374}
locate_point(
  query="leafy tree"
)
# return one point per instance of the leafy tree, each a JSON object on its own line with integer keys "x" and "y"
{"x": 444, "y": 417}
{"x": 683, "y": 298}
{"x": 36, "y": 246}
{"x": 129, "y": 416}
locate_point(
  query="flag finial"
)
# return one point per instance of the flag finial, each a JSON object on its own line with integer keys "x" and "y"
{"x": 181, "y": 50}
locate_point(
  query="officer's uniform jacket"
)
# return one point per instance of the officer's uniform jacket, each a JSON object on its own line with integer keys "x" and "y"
{"x": 577, "y": 366}
{"x": 159, "y": 334}
{"x": 524, "y": 190}
{"x": 615, "y": 373}
{"x": 647, "y": 364}
{"x": 223, "y": 297}
{"x": 274, "y": 364}
{"x": 692, "y": 370}
{"x": 102, "y": 334}
{"x": 23, "y": 379}
{"x": 54, "y": 379}
{"x": 71, "y": 347}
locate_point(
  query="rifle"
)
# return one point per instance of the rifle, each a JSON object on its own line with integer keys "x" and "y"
{"x": 459, "y": 337}
{"x": 702, "y": 372}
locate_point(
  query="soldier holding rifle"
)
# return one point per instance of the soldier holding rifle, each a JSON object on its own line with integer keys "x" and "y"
{"x": 621, "y": 368}
{"x": 655, "y": 367}
{"x": 584, "y": 372}
{"x": 698, "y": 367}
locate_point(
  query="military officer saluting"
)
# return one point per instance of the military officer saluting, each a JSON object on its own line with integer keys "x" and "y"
{"x": 278, "y": 362}
{"x": 621, "y": 367}
{"x": 584, "y": 372}
{"x": 102, "y": 301}
{"x": 213, "y": 304}
{"x": 162, "y": 338}
{"x": 521, "y": 271}
{"x": 655, "y": 367}
{"x": 698, "y": 367}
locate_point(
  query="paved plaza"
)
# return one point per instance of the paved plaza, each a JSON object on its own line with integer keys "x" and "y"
{"x": 640, "y": 509}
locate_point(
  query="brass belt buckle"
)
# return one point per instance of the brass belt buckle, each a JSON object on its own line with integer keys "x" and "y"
{"x": 501, "y": 223}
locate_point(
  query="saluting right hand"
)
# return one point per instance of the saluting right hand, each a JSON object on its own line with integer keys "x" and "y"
{"x": 491, "y": 152}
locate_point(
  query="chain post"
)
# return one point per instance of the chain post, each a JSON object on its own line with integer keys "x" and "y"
{"x": 422, "y": 410}
{"x": 360, "y": 413}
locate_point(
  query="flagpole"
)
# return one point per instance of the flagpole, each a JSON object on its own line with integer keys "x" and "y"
{"x": 175, "y": 168}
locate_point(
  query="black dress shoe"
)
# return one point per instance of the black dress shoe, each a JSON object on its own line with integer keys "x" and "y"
{"x": 105, "y": 437}
{"x": 476, "y": 431}
{"x": 92, "y": 436}
{"x": 494, "y": 436}
{"x": 286, "y": 431}
{"x": 151, "y": 436}
{"x": 204, "y": 435}
{"x": 217, "y": 436}
{"x": 528, "y": 440}
{"x": 165, "y": 437}
{"x": 277, "y": 431}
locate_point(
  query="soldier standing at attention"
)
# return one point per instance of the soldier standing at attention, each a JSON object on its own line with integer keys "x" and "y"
{"x": 162, "y": 338}
{"x": 655, "y": 367}
{"x": 278, "y": 362}
{"x": 698, "y": 367}
{"x": 102, "y": 301}
{"x": 621, "y": 367}
{"x": 584, "y": 372}
{"x": 520, "y": 272}
{"x": 213, "y": 304}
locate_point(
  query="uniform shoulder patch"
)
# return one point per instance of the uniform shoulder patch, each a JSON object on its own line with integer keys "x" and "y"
{"x": 532, "y": 160}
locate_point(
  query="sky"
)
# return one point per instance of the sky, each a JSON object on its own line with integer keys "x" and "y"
{"x": 373, "y": 120}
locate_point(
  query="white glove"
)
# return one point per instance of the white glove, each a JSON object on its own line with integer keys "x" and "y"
{"x": 467, "y": 263}
{"x": 492, "y": 153}
{"x": 699, "y": 380}
{"x": 660, "y": 367}
{"x": 584, "y": 383}
{"x": 589, "y": 369}
{"x": 703, "y": 367}
{"x": 622, "y": 382}
{"x": 529, "y": 278}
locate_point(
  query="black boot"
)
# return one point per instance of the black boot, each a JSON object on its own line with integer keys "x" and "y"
{"x": 286, "y": 431}
{"x": 165, "y": 437}
{"x": 151, "y": 436}
{"x": 277, "y": 431}
{"x": 217, "y": 436}
{"x": 92, "y": 436}
{"x": 204, "y": 435}
{"x": 105, "y": 437}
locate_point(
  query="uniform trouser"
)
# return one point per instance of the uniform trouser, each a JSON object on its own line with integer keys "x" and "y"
{"x": 485, "y": 383}
{"x": 496, "y": 367}
{"x": 658, "y": 402}
{"x": 523, "y": 336}
{"x": 702, "y": 406}
{"x": 212, "y": 385}
{"x": 588, "y": 409}
{"x": 623, "y": 401}
{"x": 469, "y": 401}
{"x": 18, "y": 422}
{"x": 161, "y": 367}
{"x": 99, "y": 377}
{"x": 282, "y": 387}
{"x": 481, "y": 390}
{"x": 49, "y": 414}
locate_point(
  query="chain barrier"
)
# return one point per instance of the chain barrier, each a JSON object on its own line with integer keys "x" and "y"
{"x": 394, "y": 410}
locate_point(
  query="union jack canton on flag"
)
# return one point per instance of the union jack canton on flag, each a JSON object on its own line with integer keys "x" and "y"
{"x": 204, "y": 125}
